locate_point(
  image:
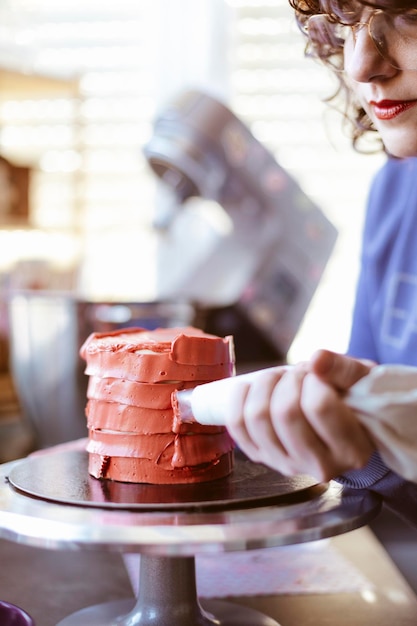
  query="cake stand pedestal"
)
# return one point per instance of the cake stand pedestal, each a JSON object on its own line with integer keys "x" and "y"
{"x": 168, "y": 597}
{"x": 50, "y": 501}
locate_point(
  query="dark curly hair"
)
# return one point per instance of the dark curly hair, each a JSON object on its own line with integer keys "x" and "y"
{"x": 331, "y": 54}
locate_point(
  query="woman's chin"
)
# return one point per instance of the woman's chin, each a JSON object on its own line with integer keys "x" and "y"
{"x": 402, "y": 146}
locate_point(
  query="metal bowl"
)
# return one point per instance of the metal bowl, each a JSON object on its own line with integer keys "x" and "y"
{"x": 46, "y": 332}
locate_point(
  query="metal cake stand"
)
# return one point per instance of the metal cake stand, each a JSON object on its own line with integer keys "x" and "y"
{"x": 50, "y": 501}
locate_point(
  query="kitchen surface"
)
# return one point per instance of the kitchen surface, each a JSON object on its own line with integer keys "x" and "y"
{"x": 68, "y": 581}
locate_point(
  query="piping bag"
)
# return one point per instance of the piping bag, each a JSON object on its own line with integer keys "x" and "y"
{"x": 384, "y": 401}
{"x": 208, "y": 404}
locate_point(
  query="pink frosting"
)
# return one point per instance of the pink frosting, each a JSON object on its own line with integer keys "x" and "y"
{"x": 166, "y": 450}
{"x": 145, "y": 395}
{"x": 134, "y": 434}
{"x": 152, "y": 367}
{"x": 186, "y": 346}
{"x": 133, "y": 470}
{"x": 102, "y": 415}
{"x": 137, "y": 354}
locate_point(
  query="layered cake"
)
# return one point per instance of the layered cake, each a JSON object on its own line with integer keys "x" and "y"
{"x": 134, "y": 434}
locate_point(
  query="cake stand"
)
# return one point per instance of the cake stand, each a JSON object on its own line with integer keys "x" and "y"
{"x": 50, "y": 501}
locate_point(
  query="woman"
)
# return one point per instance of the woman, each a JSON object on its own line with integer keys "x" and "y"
{"x": 295, "y": 420}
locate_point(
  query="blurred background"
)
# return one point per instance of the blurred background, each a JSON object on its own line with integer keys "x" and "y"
{"x": 81, "y": 85}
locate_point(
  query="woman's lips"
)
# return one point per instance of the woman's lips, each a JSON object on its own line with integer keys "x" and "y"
{"x": 388, "y": 109}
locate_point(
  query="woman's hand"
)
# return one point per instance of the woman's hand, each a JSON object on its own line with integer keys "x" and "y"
{"x": 295, "y": 420}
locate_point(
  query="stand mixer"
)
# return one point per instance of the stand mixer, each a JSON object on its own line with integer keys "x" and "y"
{"x": 238, "y": 234}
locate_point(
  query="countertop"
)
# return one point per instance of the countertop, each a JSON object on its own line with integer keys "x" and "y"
{"x": 52, "y": 584}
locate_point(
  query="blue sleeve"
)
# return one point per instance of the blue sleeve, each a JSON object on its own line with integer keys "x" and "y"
{"x": 398, "y": 494}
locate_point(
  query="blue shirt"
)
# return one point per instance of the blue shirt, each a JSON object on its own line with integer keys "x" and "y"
{"x": 385, "y": 315}
{"x": 384, "y": 325}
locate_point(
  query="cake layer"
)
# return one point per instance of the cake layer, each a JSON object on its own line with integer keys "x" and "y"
{"x": 152, "y": 368}
{"x": 136, "y": 354}
{"x": 186, "y": 346}
{"x": 167, "y": 450}
{"x": 126, "y": 418}
{"x": 135, "y": 470}
{"x": 145, "y": 395}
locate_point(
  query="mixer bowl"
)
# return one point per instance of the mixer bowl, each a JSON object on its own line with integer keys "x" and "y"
{"x": 47, "y": 330}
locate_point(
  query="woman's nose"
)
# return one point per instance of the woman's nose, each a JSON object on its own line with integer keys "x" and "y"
{"x": 363, "y": 62}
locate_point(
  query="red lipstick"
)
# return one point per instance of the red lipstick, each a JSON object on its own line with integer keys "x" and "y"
{"x": 389, "y": 109}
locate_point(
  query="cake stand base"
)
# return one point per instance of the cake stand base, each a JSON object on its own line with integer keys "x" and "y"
{"x": 168, "y": 596}
{"x": 215, "y": 613}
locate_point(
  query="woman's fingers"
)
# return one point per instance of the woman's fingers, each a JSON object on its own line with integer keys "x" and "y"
{"x": 304, "y": 449}
{"x": 295, "y": 420}
{"x": 257, "y": 413}
{"x": 292, "y": 421}
{"x": 249, "y": 422}
{"x": 348, "y": 443}
{"x": 267, "y": 422}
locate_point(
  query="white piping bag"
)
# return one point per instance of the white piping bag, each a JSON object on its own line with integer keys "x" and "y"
{"x": 208, "y": 404}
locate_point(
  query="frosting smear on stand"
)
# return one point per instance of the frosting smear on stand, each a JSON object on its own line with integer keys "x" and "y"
{"x": 135, "y": 434}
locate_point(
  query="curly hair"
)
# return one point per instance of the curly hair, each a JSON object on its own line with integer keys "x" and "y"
{"x": 331, "y": 53}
